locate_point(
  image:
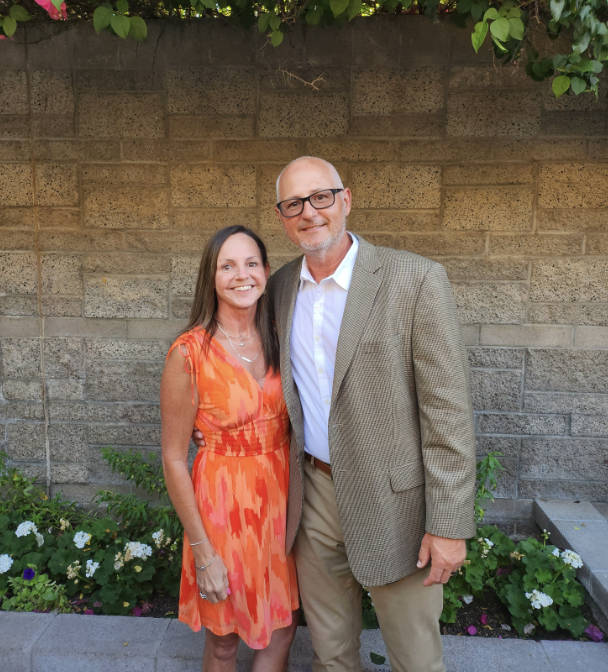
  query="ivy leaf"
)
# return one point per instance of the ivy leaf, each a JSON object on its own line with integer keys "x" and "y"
{"x": 559, "y": 60}
{"x": 491, "y": 15}
{"x": 560, "y": 85}
{"x": 354, "y": 9}
{"x": 138, "y": 30}
{"x": 376, "y": 659}
{"x": 102, "y": 17}
{"x": 477, "y": 11}
{"x": 338, "y": 6}
{"x": 313, "y": 16}
{"x": 9, "y": 25}
{"x": 209, "y": 4}
{"x": 263, "y": 20}
{"x": 500, "y": 29}
{"x": 516, "y": 29}
{"x": 479, "y": 35}
{"x": 19, "y": 13}
{"x": 557, "y": 7}
{"x": 274, "y": 22}
{"x": 578, "y": 85}
{"x": 464, "y": 6}
{"x": 276, "y": 37}
{"x": 122, "y": 6}
{"x": 121, "y": 25}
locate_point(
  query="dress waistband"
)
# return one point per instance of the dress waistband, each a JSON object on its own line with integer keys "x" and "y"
{"x": 264, "y": 435}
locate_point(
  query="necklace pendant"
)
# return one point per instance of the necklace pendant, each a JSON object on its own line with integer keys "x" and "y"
{"x": 241, "y": 344}
{"x": 245, "y": 359}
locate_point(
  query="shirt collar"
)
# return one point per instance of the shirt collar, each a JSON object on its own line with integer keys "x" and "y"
{"x": 342, "y": 276}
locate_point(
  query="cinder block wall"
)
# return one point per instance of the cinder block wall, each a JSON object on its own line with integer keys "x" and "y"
{"x": 117, "y": 161}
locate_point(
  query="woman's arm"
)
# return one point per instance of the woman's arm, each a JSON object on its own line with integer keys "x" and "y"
{"x": 178, "y": 415}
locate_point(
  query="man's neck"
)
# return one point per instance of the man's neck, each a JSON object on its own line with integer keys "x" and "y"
{"x": 324, "y": 265}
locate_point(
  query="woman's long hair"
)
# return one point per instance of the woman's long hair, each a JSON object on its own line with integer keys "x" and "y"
{"x": 204, "y": 307}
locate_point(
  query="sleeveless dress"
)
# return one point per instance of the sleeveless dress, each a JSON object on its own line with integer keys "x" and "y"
{"x": 240, "y": 483}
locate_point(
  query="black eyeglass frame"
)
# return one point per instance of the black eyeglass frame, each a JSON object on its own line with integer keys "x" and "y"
{"x": 304, "y": 200}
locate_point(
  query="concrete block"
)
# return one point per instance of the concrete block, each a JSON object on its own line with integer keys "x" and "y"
{"x": 18, "y": 273}
{"x": 302, "y": 79}
{"x": 568, "y": 656}
{"x": 68, "y": 443}
{"x": 574, "y": 123}
{"x": 22, "y": 410}
{"x": 496, "y": 390}
{"x": 489, "y": 208}
{"x": 174, "y": 241}
{"x": 57, "y": 184}
{"x": 440, "y": 244}
{"x": 288, "y": 53}
{"x": 509, "y": 446}
{"x": 61, "y": 306}
{"x": 20, "y": 632}
{"x": 525, "y": 335}
{"x": 488, "y": 174}
{"x": 18, "y": 305}
{"x": 131, "y": 207}
{"x": 14, "y": 150}
{"x": 597, "y": 245}
{"x": 118, "y": 80}
{"x": 80, "y": 242}
{"x": 483, "y": 77}
{"x": 537, "y": 245}
{"x": 13, "y": 92}
{"x": 117, "y": 174}
{"x": 486, "y": 269}
{"x": 386, "y": 91}
{"x": 576, "y": 280}
{"x": 65, "y": 390}
{"x": 52, "y": 92}
{"x": 498, "y": 655}
{"x": 18, "y": 326}
{"x": 502, "y": 303}
{"x": 495, "y": 358}
{"x": 126, "y": 349}
{"x": 17, "y": 240}
{"x": 181, "y": 649}
{"x": 212, "y": 126}
{"x": 166, "y": 329}
{"x": 19, "y": 218}
{"x": 96, "y": 411}
{"x": 213, "y": 220}
{"x": 561, "y": 511}
{"x": 392, "y": 220}
{"x": 503, "y": 423}
{"x": 180, "y": 308}
{"x": 310, "y": 114}
{"x": 166, "y": 150}
{"x": 562, "y": 458}
{"x": 59, "y": 218}
{"x": 184, "y": 271}
{"x": 229, "y": 45}
{"x": 510, "y": 509}
{"x": 422, "y": 43}
{"x": 563, "y": 489}
{"x": 84, "y": 494}
{"x": 572, "y": 220}
{"x": 124, "y": 263}
{"x": 591, "y": 337}
{"x": 589, "y": 425}
{"x": 53, "y": 126}
{"x": 12, "y": 126}
{"x": 574, "y": 314}
{"x": 381, "y": 186}
{"x": 20, "y": 357}
{"x": 123, "y": 381}
{"x": 445, "y": 149}
{"x": 397, "y": 125}
{"x": 63, "y": 358}
{"x": 26, "y": 442}
{"x": 126, "y": 296}
{"x": 330, "y": 46}
{"x": 566, "y": 185}
{"x": 76, "y": 327}
{"x": 352, "y": 150}
{"x": 107, "y": 115}
{"x": 16, "y": 184}
{"x": 109, "y": 435}
{"x": 475, "y": 116}
{"x": 556, "y": 402}
{"x": 22, "y": 390}
{"x": 76, "y": 150}
{"x": 367, "y": 35}
{"x": 210, "y": 91}
{"x": 100, "y": 472}
{"x": 70, "y": 643}
{"x": 223, "y": 186}
{"x": 567, "y": 370}
{"x": 61, "y": 274}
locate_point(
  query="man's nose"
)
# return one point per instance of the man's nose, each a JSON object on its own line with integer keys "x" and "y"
{"x": 308, "y": 211}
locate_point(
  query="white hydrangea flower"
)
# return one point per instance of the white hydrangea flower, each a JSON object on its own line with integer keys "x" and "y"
{"x": 488, "y": 542}
{"x": 467, "y": 599}
{"x": 81, "y": 539}
{"x": 5, "y": 563}
{"x": 64, "y": 524}
{"x": 158, "y": 538}
{"x": 539, "y": 600}
{"x": 39, "y": 539}
{"x": 73, "y": 570}
{"x": 555, "y": 552}
{"x": 92, "y": 567}
{"x": 25, "y": 528}
{"x": 135, "y": 549}
{"x": 572, "y": 558}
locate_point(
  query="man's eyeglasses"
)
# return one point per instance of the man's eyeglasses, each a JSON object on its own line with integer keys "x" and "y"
{"x": 320, "y": 200}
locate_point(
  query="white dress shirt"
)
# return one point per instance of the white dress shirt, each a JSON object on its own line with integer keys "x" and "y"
{"x": 317, "y": 317}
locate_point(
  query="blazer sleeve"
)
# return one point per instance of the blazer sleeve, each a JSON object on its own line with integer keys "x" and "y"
{"x": 445, "y": 408}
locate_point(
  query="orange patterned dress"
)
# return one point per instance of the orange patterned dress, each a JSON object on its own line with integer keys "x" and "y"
{"x": 240, "y": 483}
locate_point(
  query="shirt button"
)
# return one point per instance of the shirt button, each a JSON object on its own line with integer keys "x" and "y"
{"x": 317, "y": 307}
{"x": 327, "y": 402}
{"x": 317, "y": 338}
{"x": 320, "y": 369}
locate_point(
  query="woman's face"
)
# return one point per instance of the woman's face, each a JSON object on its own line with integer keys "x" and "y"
{"x": 240, "y": 277}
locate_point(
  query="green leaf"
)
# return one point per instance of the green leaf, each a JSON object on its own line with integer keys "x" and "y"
{"x": 477, "y": 11}
{"x": 9, "y": 25}
{"x": 557, "y": 7}
{"x": 559, "y": 60}
{"x": 376, "y": 659}
{"x": 138, "y": 30}
{"x": 500, "y": 29}
{"x": 464, "y": 6}
{"x": 354, "y": 9}
{"x": 479, "y": 35}
{"x": 548, "y": 618}
{"x": 274, "y": 22}
{"x": 19, "y": 13}
{"x": 102, "y": 18}
{"x": 578, "y": 85}
{"x": 543, "y": 575}
{"x": 121, "y": 25}
{"x": 491, "y": 14}
{"x": 338, "y": 6}
{"x": 276, "y": 37}
{"x": 57, "y": 3}
{"x": 122, "y": 6}
{"x": 209, "y": 4}
{"x": 313, "y": 16}
{"x": 560, "y": 85}
{"x": 263, "y": 20}
{"x": 516, "y": 29}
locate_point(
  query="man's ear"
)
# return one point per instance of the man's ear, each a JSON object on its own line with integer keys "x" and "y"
{"x": 348, "y": 199}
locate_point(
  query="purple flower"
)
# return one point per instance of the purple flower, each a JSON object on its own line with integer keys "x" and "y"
{"x": 97, "y": 605}
{"x": 503, "y": 570}
{"x": 472, "y": 630}
{"x": 595, "y": 633}
{"x": 89, "y": 612}
{"x": 29, "y": 574}
{"x": 484, "y": 619}
{"x": 136, "y": 611}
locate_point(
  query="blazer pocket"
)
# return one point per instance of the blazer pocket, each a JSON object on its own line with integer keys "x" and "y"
{"x": 407, "y": 476}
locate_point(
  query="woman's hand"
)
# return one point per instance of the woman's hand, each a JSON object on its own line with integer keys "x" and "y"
{"x": 213, "y": 581}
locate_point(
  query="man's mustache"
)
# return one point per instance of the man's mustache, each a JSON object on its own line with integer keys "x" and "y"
{"x": 308, "y": 225}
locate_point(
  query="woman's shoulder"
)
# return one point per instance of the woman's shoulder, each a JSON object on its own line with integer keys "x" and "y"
{"x": 192, "y": 340}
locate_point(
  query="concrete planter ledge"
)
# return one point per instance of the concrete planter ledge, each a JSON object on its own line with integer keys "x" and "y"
{"x": 581, "y": 527}
{"x": 76, "y": 643}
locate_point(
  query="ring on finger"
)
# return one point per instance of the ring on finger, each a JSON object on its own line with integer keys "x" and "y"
{"x": 204, "y": 597}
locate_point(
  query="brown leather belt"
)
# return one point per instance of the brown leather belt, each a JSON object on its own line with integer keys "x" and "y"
{"x": 319, "y": 464}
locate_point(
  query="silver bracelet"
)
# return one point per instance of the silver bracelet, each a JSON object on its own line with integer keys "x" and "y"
{"x": 200, "y": 542}
{"x": 205, "y": 567}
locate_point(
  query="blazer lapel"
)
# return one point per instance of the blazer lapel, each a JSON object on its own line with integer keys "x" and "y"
{"x": 364, "y": 286}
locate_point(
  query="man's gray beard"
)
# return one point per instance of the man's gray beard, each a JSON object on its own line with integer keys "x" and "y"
{"x": 321, "y": 248}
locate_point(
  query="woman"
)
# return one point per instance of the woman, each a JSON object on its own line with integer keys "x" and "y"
{"x": 222, "y": 377}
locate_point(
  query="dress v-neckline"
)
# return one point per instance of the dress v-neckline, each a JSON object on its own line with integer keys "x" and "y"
{"x": 234, "y": 360}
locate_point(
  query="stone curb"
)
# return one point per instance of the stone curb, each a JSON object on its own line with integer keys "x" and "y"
{"x": 582, "y": 528}
{"x": 75, "y": 643}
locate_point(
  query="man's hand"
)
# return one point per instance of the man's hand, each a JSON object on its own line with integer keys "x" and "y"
{"x": 198, "y": 439}
{"x": 446, "y": 556}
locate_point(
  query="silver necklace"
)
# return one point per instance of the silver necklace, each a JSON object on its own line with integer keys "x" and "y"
{"x": 243, "y": 339}
{"x": 245, "y": 359}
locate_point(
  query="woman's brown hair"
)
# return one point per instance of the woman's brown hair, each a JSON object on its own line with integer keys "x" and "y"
{"x": 204, "y": 306}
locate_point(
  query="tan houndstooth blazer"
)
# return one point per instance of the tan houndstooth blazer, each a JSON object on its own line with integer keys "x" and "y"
{"x": 401, "y": 436}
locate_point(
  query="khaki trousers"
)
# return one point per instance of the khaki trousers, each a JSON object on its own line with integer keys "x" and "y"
{"x": 408, "y": 612}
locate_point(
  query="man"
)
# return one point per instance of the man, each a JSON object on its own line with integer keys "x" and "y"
{"x": 382, "y": 471}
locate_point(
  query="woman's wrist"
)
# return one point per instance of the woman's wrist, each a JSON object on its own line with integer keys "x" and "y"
{"x": 203, "y": 554}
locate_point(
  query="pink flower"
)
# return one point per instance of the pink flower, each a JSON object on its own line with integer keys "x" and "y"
{"x": 89, "y": 612}
{"x": 52, "y": 10}
{"x": 136, "y": 611}
{"x": 595, "y": 633}
{"x": 484, "y": 619}
{"x": 146, "y": 607}
{"x": 472, "y": 630}
{"x": 529, "y": 628}
{"x": 97, "y": 605}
